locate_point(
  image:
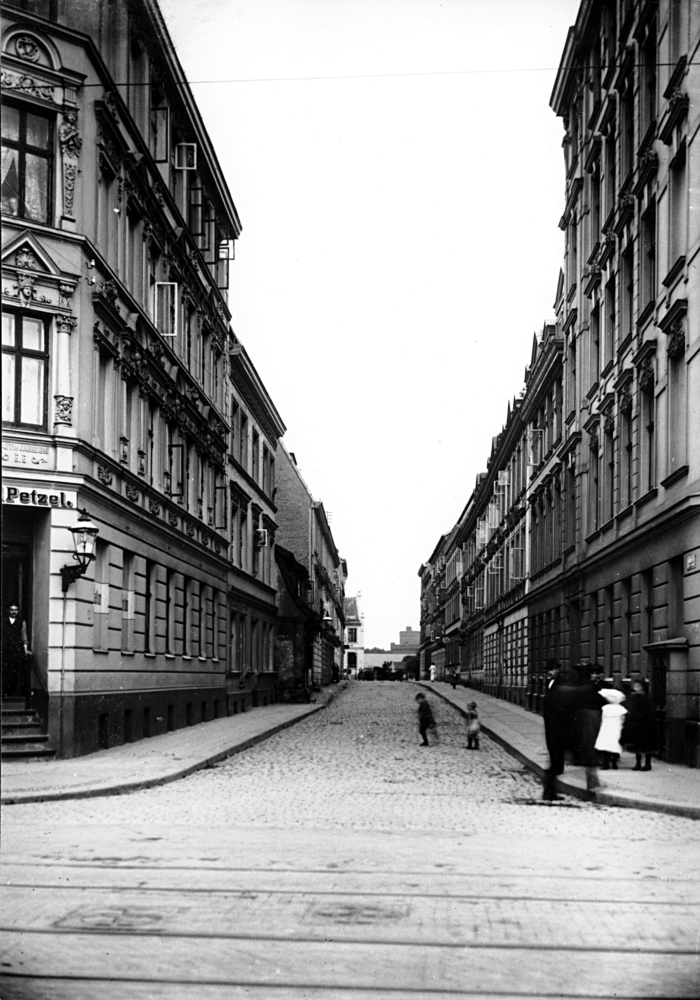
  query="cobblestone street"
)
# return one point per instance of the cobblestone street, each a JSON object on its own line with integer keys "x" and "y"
{"x": 339, "y": 857}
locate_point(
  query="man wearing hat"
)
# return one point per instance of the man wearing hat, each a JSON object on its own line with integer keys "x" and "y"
{"x": 589, "y": 706}
{"x": 558, "y": 716}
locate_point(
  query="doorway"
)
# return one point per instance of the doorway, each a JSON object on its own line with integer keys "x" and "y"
{"x": 16, "y": 581}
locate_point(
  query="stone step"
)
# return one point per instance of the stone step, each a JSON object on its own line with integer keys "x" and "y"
{"x": 28, "y": 728}
{"x": 16, "y": 740}
{"x": 13, "y": 718}
{"x": 26, "y": 752}
{"x": 14, "y": 704}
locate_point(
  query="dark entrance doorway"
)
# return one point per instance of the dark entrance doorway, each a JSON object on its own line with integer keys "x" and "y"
{"x": 659, "y": 671}
{"x": 16, "y": 580}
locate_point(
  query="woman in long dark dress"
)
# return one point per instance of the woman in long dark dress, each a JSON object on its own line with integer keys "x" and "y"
{"x": 638, "y": 733}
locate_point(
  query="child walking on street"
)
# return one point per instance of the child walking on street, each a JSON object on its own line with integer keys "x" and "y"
{"x": 426, "y": 719}
{"x": 473, "y": 727}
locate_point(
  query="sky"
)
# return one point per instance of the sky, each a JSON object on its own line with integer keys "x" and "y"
{"x": 400, "y": 178}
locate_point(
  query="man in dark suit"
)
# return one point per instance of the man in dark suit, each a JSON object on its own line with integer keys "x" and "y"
{"x": 558, "y": 715}
{"x": 14, "y": 654}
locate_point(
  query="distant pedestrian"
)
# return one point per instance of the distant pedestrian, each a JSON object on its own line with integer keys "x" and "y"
{"x": 454, "y": 680}
{"x": 433, "y": 672}
{"x": 638, "y": 731}
{"x": 426, "y": 720}
{"x": 473, "y": 727}
{"x": 608, "y": 741}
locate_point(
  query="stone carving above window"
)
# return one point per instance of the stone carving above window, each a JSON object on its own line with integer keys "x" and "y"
{"x": 27, "y": 85}
{"x": 675, "y": 348}
{"x": 24, "y": 289}
{"x": 64, "y": 410}
{"x": 25, "y": 258}
{"x": 27, "y": 48}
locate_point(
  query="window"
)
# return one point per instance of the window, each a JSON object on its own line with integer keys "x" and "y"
{"x": 610, "y": 469}
{"x": 610, "y": 172}
{"x": 256, "y": 456}
{"x": 127, "y": 602}
{"x": 595, "y": 205}
{"x": 160, "y": 127}
{"x": 24, "y": 369}
{"x": 595, "y": 346}
{"x": 27, "y": 164}
{"x": 149, "y": 620}
{"x": 352, "y": 635}
{"x": 233, "y": 644}
{"x": 627, "y": 293}
{"x": 625, "y": 457}
{"x": 243, "y": 538}
{"x": 45, "y": 8}
{"x": 594, "y": 486}
{"x": 186, "y": 156}
{"x": 627, "y": 130}
{"x": 166, "y": 308}
{"x": 648, "y": 261}
{"x": 609, "y": 320}
{"x": 676, "y": 29}
{"x": 649, "y": 83}
{"x": 678, "y": 209}
{"x": 648, "y": 438}
{"x": 215, "y": 624}
{"x": 186, "y": 616}
{"x": 100, "y": 615}
{"x": 169, "y": 611}
{"x": 243, "y": 442}
{"x": 572, "y": 375}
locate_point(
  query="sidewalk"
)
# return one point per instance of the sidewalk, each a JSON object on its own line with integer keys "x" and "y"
{"x": 668, "y": 788}
{"x": 152, "y": 761}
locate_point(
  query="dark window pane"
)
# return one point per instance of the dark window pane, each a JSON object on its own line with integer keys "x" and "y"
{"x": 36, "y": 190}
{"x": 10, "y": 181}
{"x": 32, "y": 334}
{"x": 32, "y": 405}
{"x": 10, "y": 123}
{"x": 38, "y": 132}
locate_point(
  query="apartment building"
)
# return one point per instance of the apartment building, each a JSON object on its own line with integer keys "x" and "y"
{"x": 581, "y": 541}
{"x": 125, "y": 390}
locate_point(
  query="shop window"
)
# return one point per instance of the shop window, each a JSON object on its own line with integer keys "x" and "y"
{"x": 27, "y": 164}
{"x": 24, "y": 369}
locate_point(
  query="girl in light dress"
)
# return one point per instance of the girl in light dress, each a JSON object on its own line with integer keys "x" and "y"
{"x": 608, "y": 742}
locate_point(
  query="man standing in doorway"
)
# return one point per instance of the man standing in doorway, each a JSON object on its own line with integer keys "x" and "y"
{"x": 14, "y": 654}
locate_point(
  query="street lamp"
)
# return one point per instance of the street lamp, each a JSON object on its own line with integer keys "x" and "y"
{"x": 84, "y": 535}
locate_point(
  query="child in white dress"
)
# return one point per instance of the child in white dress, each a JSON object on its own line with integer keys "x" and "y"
{"x": 608, "y": 741}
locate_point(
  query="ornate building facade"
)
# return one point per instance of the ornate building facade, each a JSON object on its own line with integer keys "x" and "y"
{"x": 125, "y": 391}
{"x": 605, "y": 502}
{"x": 305, "y": 534}
{"x": 354, "y": 656}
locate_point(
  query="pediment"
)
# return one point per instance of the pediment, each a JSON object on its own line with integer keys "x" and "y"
{"x": 26, "y": 252}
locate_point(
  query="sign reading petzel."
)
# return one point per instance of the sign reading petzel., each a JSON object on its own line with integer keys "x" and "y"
{"x": 20, "y": 496}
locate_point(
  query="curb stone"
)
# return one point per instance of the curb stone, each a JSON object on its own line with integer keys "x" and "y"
{"x": 22, "y": 798}
{"x": 603, "y": 797}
